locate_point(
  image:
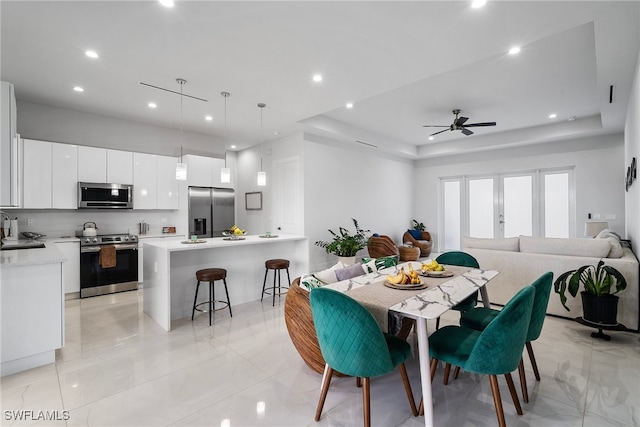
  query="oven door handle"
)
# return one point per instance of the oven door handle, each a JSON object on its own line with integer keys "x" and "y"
{"x": 119, "y": 247}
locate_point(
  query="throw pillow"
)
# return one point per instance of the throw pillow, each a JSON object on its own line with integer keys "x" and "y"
{"x": 616, "y": 248}
{"x": 374, "y": 264}
{"x": 417, "y": 234}
{"x": 328, "y": 276}
{"x": 354, "y": 270}
{"x": 309, "y": 282}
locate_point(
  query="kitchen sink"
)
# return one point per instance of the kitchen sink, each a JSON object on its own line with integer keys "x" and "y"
{"x": 30, "y": 244}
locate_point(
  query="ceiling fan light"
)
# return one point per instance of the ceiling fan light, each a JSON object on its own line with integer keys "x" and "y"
{"x": 476, "y": 4}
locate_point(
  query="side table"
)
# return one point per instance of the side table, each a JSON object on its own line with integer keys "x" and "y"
{"x": 600, "y": 327}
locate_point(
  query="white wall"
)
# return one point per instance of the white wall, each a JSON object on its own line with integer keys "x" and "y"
{"x": 343, "y": 182}
{"x": 56, "y": 124}
{"x": 597, "y": 162}
{"x": 632, "y": 149}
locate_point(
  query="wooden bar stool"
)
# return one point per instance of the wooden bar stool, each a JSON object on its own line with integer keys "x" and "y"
{"x": 276, "y": 265}
{"x": 211, "y": 275}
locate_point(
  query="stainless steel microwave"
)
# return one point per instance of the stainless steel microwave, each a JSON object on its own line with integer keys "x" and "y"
{"x": 94, "y": 195}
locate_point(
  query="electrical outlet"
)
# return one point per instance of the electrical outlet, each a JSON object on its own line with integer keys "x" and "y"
{"x": 596, "y": 216}
{"x": 610, "y": 216}
{"x": 30, "y": 222}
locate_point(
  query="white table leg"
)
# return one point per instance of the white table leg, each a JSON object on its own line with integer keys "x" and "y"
{"x": 485, "y": 297}
{"x": 425, "y": 370}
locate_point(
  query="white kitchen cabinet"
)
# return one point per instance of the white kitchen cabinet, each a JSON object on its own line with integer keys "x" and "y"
{"x": 64, "y": 181}
{"x": 144, "y": 181}
{"x": 204, "y": 171}
{"x": 167, "y": 183}
{"x": 9, "y": 148}
{"x": 92, "y": 164}
{"x": 199, "y": 170}
{"x": 32, "y": 316}
{"x": 119, "y": 167}
{"x": 142, "y": 240}
{"x": 70, "y": 268}
{"x": 37, "y": 171}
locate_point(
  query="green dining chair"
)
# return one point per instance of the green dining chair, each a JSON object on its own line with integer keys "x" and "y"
{"x": 353, "y": 344}
{"x": 480, "y": 317}
{"x": 461, "y": 259}
{"x": 496, "y": 350}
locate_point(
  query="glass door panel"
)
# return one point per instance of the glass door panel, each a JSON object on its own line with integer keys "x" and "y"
{"x": 481, "y": 209}
{"x": 451, "y": 214}
{"x": 556, "y": 205}
{"x": 517, "y": 205}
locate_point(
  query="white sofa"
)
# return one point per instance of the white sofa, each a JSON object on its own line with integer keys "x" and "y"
{"x": 521, "y": 260}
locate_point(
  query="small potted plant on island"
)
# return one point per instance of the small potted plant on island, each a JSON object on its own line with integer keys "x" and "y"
{"x": 345, "y": 245}
{"x": 600, "y": 282}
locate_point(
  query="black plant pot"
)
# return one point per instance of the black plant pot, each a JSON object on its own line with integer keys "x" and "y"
{"x": 600, "y": 310}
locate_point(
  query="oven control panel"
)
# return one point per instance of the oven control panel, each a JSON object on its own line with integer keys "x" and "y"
{"x": 108, "y": 240}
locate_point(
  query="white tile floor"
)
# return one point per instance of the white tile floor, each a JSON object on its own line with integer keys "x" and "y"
{"x": 119, "y": 368}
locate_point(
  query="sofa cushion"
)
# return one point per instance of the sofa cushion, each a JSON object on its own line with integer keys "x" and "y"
{"x": 329, "y": 275}
{"x": 511, "y": 244}
{"x": 354, "y": 270}
{"x": 371, "y": 265}
{"x": 613, "y": 238}
{"x": 598, "y": 248}
{"x": 309, "y": 282}
{"x": 417, "y": 234}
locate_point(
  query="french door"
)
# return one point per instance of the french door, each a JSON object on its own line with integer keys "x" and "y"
{"x": 531, "y": 203}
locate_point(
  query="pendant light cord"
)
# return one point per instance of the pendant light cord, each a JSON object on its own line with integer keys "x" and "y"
{"x": 261, "y": 105}
{"x": 181, "y": 82}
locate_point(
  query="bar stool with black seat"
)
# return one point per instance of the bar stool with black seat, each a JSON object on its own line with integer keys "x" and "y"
{"x": 211, "y": 275}
{"x": 276, "y": 265}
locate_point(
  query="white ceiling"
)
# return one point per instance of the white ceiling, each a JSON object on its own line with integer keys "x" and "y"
{"x": 402, "y": 64}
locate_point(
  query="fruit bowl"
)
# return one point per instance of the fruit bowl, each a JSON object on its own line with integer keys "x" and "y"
{"x": 233, "y": 235}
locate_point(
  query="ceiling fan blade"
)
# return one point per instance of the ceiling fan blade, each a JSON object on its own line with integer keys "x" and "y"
{"x": 481, "y": 124}
{"x": 444, "y": 130}
{"x": 466, "y": 131}
{"x": 435, "y": 126}
{"x": 460, "y": 121}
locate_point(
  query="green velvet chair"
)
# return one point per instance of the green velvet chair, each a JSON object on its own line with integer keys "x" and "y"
{"x": 461, "y": 259}
{"x": 496, "y": 350}
{"x": 480, "y": 317}
{"x": 353, "y": 344}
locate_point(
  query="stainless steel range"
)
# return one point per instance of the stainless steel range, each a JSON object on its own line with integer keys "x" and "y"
{"x": 108, "y": 264}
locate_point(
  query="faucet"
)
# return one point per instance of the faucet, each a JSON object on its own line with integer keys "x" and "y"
{"x": 4, "y": 215}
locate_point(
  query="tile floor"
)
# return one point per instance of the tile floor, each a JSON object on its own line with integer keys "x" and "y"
{"x": 119, "y": 368}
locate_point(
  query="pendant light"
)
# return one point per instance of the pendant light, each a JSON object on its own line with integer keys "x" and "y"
{"x": 262, "y": 175}
{"x": 225, "y": 172}
{"x": 181, "y": 168}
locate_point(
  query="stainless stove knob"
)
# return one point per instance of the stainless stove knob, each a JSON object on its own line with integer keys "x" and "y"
{"x": 87, "y": 240}
{"x": 94, "y": 240}
{"x": 126, "y": 238}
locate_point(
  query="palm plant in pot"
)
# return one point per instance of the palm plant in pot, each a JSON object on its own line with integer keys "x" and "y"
{"x": 344, "y": 244}
{"x": 600, "y": 282}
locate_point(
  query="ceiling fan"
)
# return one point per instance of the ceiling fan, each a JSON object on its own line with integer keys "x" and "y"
{"x": 459, "y": 124}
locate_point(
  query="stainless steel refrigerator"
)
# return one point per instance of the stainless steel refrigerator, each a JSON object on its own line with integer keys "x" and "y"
{"x": 211, "y": 210}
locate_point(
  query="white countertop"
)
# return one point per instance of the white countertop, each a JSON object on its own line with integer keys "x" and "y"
{"x": 50, "y": 254}
{"x": 219, "y": 242}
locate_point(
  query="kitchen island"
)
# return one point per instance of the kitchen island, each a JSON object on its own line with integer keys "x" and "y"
{"x": 32, "y": 307}
{"x": 170, "y": 270}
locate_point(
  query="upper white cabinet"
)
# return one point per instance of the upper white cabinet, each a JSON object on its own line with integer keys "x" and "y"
{"x": 37, "y": 170}
{"x": 167, "y": 183}
{"x": 9, "y": 148}
{"x": 144, "y": 181}
{"x": 50, "y": 175}
{"x": 64, "y": 182}
{"x": 204, "y": 171}
{"x": 119, "y": 167}
{"x": 92, "y": 164}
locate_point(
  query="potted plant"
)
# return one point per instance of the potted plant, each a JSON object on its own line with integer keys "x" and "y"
{"x": 600, "y": 282}
{"x": 418, "y": 225}
{"x": 344, "y": 244}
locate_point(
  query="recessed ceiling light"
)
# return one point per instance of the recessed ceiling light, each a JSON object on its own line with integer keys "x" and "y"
{"x": 208, "y": 118}
{"x": 91, "y": 54}
{"x": 166, "y": 3}
{"x": 276, "y": 133}
{"x": 349, "y": 105}
{"x": 431, "y": 138}
{"x": 514, "y": 50}
{"x": 233, "y": 146}
{"x": 317, "y": 78}
{"x": 78, "y": 89}
{"x": 152, "y": 105}
{"x": 553, "y": 115}
{"x": 572, "y": 118}
{"x": 478, "y": 3}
